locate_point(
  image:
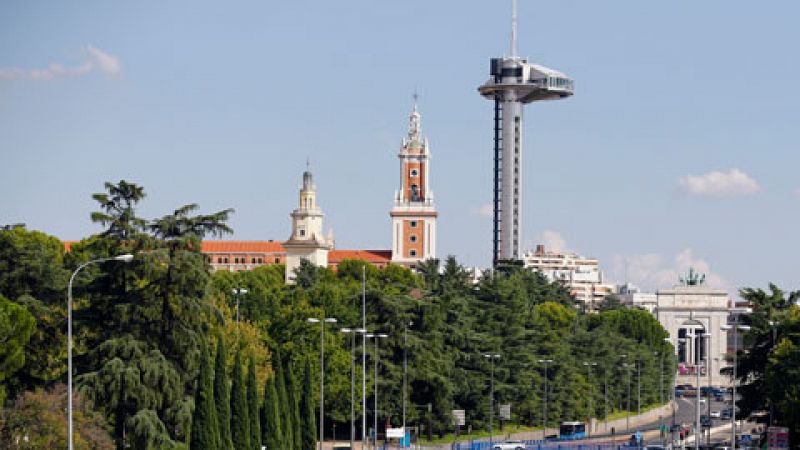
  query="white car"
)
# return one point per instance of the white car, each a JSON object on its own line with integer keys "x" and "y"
{"x": 716, "y": 414}
{"x": 509, "y": 445}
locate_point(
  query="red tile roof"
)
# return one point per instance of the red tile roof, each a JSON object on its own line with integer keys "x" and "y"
{"x": 336, "y": 256}
{"x": 242, "y": 247}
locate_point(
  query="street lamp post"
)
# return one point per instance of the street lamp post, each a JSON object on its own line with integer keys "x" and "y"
{"x": 696, "y": 356}
{"x": 352, "y": 332}
{"x": 126, "y": 258}
{"x": 735, "y": 328}
{"x": 237, "y": 293}
{"x": 605, "y": 397}
{"x": 772, "y": 325}
{"x": 405, "y": 377}
{"x": 589, "y": 365}
{"x": 707, "y": 347}
{"x": 628, "y": 396}
{"x": 363, "y": 357}
{"x": 674, "y": 387}
{"x": 638, "y": 364}
{"x": 544, "y": 404}
{"x": 322, "y": 323}
{"x": 628, "y": 407}
{"x": 491, "y": 357}
{"x": 377, "y": 337}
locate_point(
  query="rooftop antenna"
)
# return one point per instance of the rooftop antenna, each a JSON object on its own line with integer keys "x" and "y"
{"x": 513, "y": 28}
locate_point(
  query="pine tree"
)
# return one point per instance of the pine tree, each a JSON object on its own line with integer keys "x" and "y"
{"x": 205, "y": 431}
{"x": 309, "y": 424}
{"x": 222, "y": 397}
{"x": 240, "y": 417}
{"x": 252, "y": 405}
{"x": 270, "y": 418}
{"x": 286, "y": 422}
{"x": 293, "y": 406}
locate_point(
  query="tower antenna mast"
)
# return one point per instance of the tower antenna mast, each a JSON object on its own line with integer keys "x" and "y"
{"x": 513, "y": 28}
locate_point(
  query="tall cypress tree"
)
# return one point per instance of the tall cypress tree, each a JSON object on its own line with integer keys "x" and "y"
{"x": 252, "y": 405}
{"x": 293, "y": 406}
{"x": 240, "y": 417}
{"x": 222, "y": 396}
{"x": 205, "y": 430}
{"x": 286, "y": 419}
{"x": 309, "y": 431}
{"x": 270, "y": 418}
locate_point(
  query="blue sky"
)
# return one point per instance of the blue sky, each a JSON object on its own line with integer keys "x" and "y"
{"x": 678, "y": 148}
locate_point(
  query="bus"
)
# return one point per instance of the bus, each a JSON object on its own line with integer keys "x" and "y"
{"x": 570, "y": 431}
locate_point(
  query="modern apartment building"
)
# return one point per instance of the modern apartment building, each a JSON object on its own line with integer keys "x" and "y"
{"x": 579, "y": 274}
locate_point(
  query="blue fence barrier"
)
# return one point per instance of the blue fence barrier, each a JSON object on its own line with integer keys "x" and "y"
{"x": 540, "y": 445}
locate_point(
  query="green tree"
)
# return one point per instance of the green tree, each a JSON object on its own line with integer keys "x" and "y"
{"x": 119, "y": 209}
{"x": 205, "y": 431}
{"x": 16, "y": 327}
{"x": 37, "y": 420}
{"x": 307, "y": 418}
{"x": 610, "y": 302}
{"x": 32, "y": 274}
{"x": 271, "y": 431}
{"x": 285, "y": 410}
{"x": 252, "y": 405}
{"x": 145, "y": 322}
{"x": 222, "y": 396}
{"x": 240, "y": 417}
{"x": 767, "y": 369}
{"x": 293, "y": 405}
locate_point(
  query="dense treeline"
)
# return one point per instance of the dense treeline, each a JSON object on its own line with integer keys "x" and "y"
{"x": 161, "y": 362}
{"x": 768, "y": 367}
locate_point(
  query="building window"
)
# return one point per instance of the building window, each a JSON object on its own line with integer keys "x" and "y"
{"x": 414, "y": 172}
{"x": 254, "y": 260}
{"x": 277, "y": 260}
{"x": 302, "y": 232}
{"x": 413, "y": 238}
{"x": 413, "y": 224}
{"x": 412, "y": 252}
{"x": 226, "y": 260}
{"x": 414, "y": 192}
{"x": 219, "y": 260}
{"x": 260, "y": 261}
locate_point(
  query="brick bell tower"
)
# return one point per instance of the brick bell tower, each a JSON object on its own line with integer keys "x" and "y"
{"x": 413, "y": 215}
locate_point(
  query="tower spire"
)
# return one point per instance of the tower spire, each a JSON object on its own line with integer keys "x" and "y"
{"x": 415, "y": 124}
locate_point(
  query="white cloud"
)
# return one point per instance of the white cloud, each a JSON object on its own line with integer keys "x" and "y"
{"x": 720, "y": 184}
{"x": 653, "y": 271}
{"x": 553, "y": 241}
{"x": 95, "y": 60}
{"x": 485, "y": 210}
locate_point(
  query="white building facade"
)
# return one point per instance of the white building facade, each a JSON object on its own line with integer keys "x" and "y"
{"x": 307, "y": 241}
{"x": 688, "y": 312}
{"x": 580, "y": 275}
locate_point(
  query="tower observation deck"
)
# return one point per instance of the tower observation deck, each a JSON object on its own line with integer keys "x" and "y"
{"x": 514, "y": 82}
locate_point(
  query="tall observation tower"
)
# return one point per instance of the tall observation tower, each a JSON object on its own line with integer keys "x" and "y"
{"x": 513, "y": 82}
